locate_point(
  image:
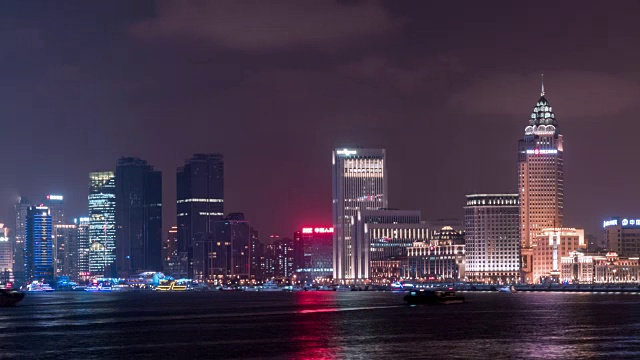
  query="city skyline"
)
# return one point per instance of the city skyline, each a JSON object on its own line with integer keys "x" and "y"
{"x": 403, "y": 83}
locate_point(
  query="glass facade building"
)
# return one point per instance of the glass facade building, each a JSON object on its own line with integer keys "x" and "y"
{"x": 317, "y": 245}
{"x": 138, "y": 217}
{"x": 65, "y": 250}
{"x": 199, "y": 203}
{"x": 6, "y": 256}
{"x": 19, "y": 236}
{"x": 359, "y": 179}
{"x": 84, "y": 246}
{"x": 102, "y": 223}
{"x": 38, "y": 253}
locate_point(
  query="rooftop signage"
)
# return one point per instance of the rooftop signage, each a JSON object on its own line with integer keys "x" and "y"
{"x": 317, "y": 230}
{"x": 346, "y": 152}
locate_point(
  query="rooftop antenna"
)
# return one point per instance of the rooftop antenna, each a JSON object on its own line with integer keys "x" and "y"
{"x": 542, "y": 77}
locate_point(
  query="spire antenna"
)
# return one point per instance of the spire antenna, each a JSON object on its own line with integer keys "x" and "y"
{"x": 542, "y": 77}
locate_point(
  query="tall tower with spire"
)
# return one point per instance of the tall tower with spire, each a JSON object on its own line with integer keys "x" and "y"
{"x": 540, "y": 178}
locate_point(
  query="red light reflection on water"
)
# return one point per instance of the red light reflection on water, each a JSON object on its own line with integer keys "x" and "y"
{"x": 315, "y": 329}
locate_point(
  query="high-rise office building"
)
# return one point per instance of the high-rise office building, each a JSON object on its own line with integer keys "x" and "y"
{"x": 622, "y": 236}
{"x": 84, "y": 247}
{"x": 19, "y": 236}
{"x": 6, "y": 256}
{"x": 38, "y": 254}
{"x": 257, "y": 253}
{"x": 492, "y": 238}
{"x": 138, "y": 217}
{"x": 102, "y": 223}
{"x": 65, "y": 250}
{"x": 284, "y": 257}
{"x": 382, "y": 238}
{"x": 317, "y": 254}
{"x": 170, "y": 260}
{"x": 200, "y": 203}
{"x": 55, "y": 203}
{"x": 359, "y": 180}
{"x": 231, "y": 250}
{"x": 540, "y": 178}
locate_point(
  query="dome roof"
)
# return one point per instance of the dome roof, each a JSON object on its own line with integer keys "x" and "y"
{"x": 543, "y": 114}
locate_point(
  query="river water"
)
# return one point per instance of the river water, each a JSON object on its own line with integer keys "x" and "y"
{"x": 307, "y": 325}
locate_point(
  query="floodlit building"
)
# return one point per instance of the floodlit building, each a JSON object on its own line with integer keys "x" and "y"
{"x": 383, "y": 237}
{"x": 622, "y": 236}
{"x": 102, "y": 223}
{"x": 359, "y": 184}
{"x": 442, "y": 258}
{"x": 492, "y": 238}
{"x": 540, "y": 178}
{"x": 549, "y": 246}
{"x": 585, "y": 268}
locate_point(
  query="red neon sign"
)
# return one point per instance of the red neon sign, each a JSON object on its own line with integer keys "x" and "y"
{"x": 317, "y": 230}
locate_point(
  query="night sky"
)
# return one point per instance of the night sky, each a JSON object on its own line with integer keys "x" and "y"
{"x": 446, "y": 87}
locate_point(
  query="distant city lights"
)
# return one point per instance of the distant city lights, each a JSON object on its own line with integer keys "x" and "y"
{"x": 55, "y": 197}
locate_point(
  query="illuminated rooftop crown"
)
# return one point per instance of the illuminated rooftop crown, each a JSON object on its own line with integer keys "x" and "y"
{"x": 542, "y": 120}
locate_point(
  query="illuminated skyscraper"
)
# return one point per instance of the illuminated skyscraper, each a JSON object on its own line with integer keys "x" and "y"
{"x": 38, "y": 254}
{"x": 138, "y": 217}
{"x": 84, "y": 246}
{"x": 359, "y": 183}
{"x": 6, "y": 256}
{"x": 317, "y": 253}
{"x": 19, "y": 236}
{"x": 200, "y": 202}
{"x": 540, "y": 179}
{"x": 55, "y": 203}
{"x": 102, "y": 223}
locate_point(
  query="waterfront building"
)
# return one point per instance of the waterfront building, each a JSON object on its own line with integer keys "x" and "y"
{"x": 257, "y": 254}
{"x": 317, "y": 253}
{"x": 200, "y": 203}
{"x": 540, "y": 178}
{"x": 65, "y": 250}
{"x": 102, "y": 224}
{"x": 284, "y": 257}
{"x": 441, "y": 258}
{"x": 549, "y": 246}
{"x": 19, "y": 236}
{"x": 232, "y": 249}
{"x": 6, "y": 256}
{"x": 585, "y": 268}
{"x": 622, "y": 236}
{"x": 138, "y": 217}
{"x": 383, "y": 236}
{"x": 359, "y": 184}
{"x": 492, "y": 238}
{"x": 84, "y": 246}
{"x": 268, "y": 264}
{"x": 38, "y": 254}
{"x": 170, "y": 260}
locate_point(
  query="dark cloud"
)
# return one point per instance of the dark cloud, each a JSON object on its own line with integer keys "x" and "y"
{"x": 261, "y": 25}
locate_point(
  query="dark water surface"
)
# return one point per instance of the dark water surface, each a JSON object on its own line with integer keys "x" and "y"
{"x": 303, "y": 325}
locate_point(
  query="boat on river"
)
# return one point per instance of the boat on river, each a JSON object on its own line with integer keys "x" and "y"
{"x": 433, "y": 297}
{"x": 10, "y": 297}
